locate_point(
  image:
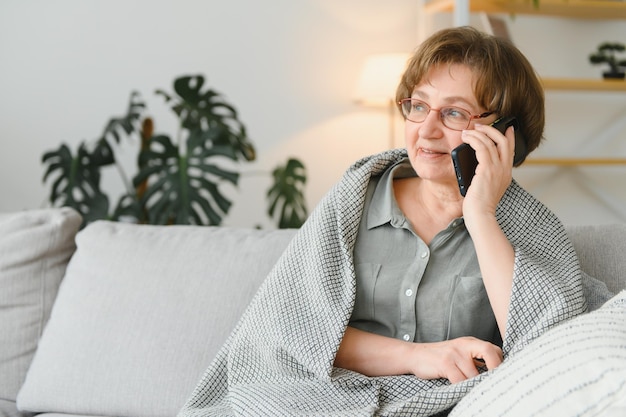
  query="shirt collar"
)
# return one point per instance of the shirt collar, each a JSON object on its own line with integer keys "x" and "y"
{"x": 383, "y": 206}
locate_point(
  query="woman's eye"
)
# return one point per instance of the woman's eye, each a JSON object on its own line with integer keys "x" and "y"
{"x": 455, "y": 113}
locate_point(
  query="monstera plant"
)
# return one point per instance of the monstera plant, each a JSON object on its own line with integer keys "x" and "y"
{"x": 179, "y": 180}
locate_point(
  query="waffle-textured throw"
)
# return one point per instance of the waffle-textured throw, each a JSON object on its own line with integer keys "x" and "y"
{"x": 279, "y": 359}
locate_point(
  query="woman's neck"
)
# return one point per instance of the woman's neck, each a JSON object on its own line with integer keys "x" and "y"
{"x": 429, "y": 207}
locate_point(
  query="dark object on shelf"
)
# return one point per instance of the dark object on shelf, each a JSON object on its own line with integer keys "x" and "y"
{"x": 607, "y": 54}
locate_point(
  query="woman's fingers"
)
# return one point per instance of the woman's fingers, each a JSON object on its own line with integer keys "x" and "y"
{"x": 504, "y": 149}
{"x": 492, "y": 358}
{"x": 489, "y": 143}
{"x": 468, "y": 369}
{"x": 456, "y": 359}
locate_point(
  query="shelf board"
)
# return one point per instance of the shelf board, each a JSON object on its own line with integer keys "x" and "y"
{"x": 576, "y": 84}
{"x": 575, "y": 161}
{"x": 583, "y": 9}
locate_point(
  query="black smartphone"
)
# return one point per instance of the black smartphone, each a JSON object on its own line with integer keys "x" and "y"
{"x": 464, "y": 156}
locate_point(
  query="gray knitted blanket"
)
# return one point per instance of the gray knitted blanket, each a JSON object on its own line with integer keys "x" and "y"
{"x": 279, "y": 359}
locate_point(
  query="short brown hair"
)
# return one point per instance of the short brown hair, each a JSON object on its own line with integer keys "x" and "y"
{"x": 505, "y": 83}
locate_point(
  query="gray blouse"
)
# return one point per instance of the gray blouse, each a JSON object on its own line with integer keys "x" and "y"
{"x": 413, "y": 291}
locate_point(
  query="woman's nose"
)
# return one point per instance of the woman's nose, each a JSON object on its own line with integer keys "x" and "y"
{"x": 432, "y": 125}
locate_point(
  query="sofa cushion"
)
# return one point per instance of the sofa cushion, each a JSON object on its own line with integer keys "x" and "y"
{"x": 601, "y": 250}
{"x": 576, "y": 369}
{"x": 35, "y": 247}
{"x": 141, "y": 313}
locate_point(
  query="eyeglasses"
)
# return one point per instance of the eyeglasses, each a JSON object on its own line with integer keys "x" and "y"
{"x": 454, "y": 118}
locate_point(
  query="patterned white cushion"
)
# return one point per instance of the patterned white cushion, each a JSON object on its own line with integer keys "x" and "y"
{"x": 576, "y": 369}
{"x": 35, "y": 247}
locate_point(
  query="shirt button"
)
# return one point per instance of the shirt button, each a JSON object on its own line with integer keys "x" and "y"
{"x": 406, "y": 337}
{"x": 408, "y": 292}
{"x": 424, "y": 255}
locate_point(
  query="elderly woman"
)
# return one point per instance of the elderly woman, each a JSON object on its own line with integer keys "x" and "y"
{"x": 398, "y": 291}
{"x": 431, "y": 265}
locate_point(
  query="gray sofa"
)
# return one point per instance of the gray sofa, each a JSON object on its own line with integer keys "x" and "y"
{"x": 122, "y": 320}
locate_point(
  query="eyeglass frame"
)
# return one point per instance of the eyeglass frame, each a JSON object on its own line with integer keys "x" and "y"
{"x": 471, "y": 116}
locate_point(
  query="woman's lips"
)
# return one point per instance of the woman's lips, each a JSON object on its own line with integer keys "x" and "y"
{"x": 431, "y": 153}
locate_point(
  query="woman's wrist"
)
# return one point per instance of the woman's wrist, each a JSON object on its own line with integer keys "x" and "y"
{"x": 478, "y": 221}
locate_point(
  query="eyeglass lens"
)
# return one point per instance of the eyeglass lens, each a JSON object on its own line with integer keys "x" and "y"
{"x": 452, "y": 117}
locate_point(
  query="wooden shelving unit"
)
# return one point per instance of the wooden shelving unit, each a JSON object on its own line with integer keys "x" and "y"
{"x": 579, "y": 9}
{"x": 583, "y": 9}
{"x": 576, "y": 84}
{"x": 574, "y": 162}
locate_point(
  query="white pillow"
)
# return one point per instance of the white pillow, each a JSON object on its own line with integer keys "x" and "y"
{"x": 140, "y": 315}
{"x": 576, "y": 369}
{"x": 35, "y": 246}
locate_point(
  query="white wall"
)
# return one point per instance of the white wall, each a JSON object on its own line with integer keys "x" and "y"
{"x": 289, "y": 67}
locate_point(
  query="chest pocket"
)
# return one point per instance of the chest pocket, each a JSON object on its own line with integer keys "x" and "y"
{"x": 470, "y": 310}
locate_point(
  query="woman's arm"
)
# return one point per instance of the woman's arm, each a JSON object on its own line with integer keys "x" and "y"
{"x": 495, "y": 253}
{"x": 375, "y": 355}
{"x": 495, "y": 257}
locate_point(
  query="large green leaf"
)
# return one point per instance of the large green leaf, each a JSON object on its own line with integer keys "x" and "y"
{"x": 286, "y": 195}
{"x": 183, "y": 188}
{"x": 207, "y": 111}
{"x": 77, "y": 178}
{"x": 129, "y": 208}
{"x": 76, "y": 182}
{"x": 127, "y": 123}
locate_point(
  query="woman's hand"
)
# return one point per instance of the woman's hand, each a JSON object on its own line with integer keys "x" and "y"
{"x": 494, "y": 152}
{"x": 455, "y": 360}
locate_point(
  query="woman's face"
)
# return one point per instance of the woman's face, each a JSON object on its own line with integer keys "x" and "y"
{"x": 429, "y": 143}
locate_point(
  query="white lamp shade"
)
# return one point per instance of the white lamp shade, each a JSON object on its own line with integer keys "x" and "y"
{"x": 379, "y": 78}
